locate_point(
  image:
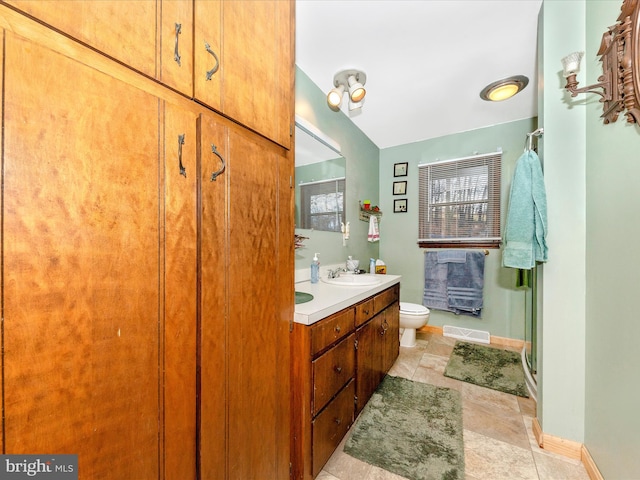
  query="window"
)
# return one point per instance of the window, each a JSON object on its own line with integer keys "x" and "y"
{"x": 322, "y": 205}
{"x": 459, "y": 202}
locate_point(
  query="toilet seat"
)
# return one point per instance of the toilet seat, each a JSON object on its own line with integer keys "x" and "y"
{"x": 413, "y": 309}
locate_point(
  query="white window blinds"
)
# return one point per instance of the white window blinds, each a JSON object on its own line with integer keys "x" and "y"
{"x": 459, "y": 202}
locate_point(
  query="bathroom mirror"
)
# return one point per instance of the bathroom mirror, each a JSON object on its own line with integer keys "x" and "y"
{"x": 320, "y": 180}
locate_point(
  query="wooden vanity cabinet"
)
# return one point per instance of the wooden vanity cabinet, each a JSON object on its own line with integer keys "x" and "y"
{"x": 377, "y": 342}
{"x": 337, "y": 363}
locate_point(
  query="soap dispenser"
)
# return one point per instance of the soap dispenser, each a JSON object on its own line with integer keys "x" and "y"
{"x": 315, "y": 269}
{"x": 372, "y": 265}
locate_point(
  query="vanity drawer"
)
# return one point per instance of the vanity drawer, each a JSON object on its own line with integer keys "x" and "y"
{"x": 330, "y": 427}
{"x": 386, "y": 298}
{"x": 331, "y": 371}
{"x": 364, "y": 311}
{"x": 327, "y": 331}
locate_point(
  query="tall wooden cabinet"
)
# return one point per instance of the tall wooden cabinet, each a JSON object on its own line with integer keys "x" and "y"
{"x": 81, "y": 256}
{"x": 146, "y": 307}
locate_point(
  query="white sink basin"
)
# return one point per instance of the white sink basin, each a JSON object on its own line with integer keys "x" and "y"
{"x": 353, "y": 280}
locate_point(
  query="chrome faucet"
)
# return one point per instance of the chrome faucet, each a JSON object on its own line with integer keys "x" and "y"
{"x": 336, "y": 273}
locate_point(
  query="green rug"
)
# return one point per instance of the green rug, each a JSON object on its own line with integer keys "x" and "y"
{"x": 411, "y": 429}
{"x": 488, "y": 367}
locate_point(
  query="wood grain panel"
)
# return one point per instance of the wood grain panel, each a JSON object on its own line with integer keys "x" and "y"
{"x": 81, "y": 233}
{"x": 368, "y": 360}
{"x": 285, "y": 274}
{"x": 257, "y": 58}
{"x": 174, "y": 74}
{"x": 213, "y": 364}
{"x": 1, "y": 276}
{"x": 330, "y": 427}
{"x": 255, "y": 341}
{"x": 180, "y": 288}
{"x": 331, "y": 329}
{"x": 125, "y": 31}
{"x": 207, "y": 30}
{"x": 331, "y": 371}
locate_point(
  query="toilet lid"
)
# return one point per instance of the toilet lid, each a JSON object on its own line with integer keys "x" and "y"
{"x": 413, "y": 308}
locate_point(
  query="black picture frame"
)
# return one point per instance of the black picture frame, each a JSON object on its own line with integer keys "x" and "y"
{"x": 400, "y": 188}
{"x": 400, "y": 205}
{"x": 400, "y": 169}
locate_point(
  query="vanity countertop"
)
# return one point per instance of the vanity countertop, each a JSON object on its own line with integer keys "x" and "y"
{"x": 329, "y": 299}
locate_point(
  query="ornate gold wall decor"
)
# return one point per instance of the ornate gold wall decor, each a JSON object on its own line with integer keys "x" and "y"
{"x": 620, "y": 56}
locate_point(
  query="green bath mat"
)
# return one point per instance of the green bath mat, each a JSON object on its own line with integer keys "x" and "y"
{"x": 488, "y": 367}
{"x": 411, "y": 429}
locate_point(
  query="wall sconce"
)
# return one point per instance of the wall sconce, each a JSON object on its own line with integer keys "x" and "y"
{"x": 352, "y": 81}
{"x": 503, "y": 89}
{"x": 618, "y": 84}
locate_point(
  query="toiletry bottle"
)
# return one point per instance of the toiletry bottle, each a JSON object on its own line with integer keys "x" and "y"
{"x": 372, "y": 265}
{"x": 315, "y": 269}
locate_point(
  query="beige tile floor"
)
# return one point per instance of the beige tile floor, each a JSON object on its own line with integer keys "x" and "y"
{"x": 498, "y": 439}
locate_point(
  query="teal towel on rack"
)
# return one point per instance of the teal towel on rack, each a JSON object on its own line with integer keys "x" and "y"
{"x": 526, "y": 231}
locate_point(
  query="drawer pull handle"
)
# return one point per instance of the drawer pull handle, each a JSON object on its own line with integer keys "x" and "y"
{"x": 338, "y": 369}
{"x": 216, "y": 66}
{"x": 366, "y": 312}
{"x": 183, "y": 171}
{"x": 214, "y": 150}
{"x": 337, "y": 329}
{"x": 176, "y": 51}
{"x": 337, "y": 420}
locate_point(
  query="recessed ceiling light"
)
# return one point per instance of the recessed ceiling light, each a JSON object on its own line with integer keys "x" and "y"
{"x": 503, "y": 89}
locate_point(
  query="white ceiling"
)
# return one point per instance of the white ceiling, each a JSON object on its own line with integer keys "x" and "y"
{"x": 426, "y": 61}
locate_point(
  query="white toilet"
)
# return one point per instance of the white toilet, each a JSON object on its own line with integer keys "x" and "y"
{"x": 412, "y": 316}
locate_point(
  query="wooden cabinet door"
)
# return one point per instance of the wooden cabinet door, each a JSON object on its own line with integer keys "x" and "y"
{"x": 391, "y": 324}
{"x": 213, "y": 322}
{"x": 180, "y": 292}
{"x": 81, "y": 284}
{"x": 258, "y": 61}
{"x": 368, "y": 360}
{"x": 258, "y": 339}
{"x": 251, "y": 44}
{"x": 208, "y": 60}
{"x": 124, "y": 30}
{"x": 176, "y": 45}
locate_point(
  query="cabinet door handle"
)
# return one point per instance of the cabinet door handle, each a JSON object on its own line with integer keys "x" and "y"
{"x": 366, "y": 312}
{"x": 183, "y": 171}
{"x": 337, "y": 420}
{"x": 338, "y": 369}
{"x": 176, "y": 52}
{"x": 337, "y": 329}
{"x": 217, "y": 65}
{"x": 214, "y": 150}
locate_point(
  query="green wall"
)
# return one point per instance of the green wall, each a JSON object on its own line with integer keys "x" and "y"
{"x": 561, "y": 358}
{"x": 361, "y": 178}
{"x": 612, "y": 420}
{"x": 503, "y": 312}
{"x": 589, "y": 377}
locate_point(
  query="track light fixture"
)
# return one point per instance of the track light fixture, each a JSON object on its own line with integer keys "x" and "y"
{"x": 352, "y": 81}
